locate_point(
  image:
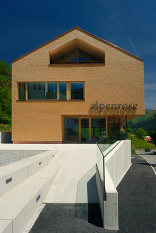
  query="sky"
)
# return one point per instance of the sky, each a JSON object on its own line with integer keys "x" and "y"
{"x": 129, "y": 24}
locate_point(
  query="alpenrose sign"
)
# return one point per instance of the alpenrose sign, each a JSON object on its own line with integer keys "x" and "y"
{"x": 108, "y": 107}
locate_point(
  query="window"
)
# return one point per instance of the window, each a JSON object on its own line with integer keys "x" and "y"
{"x": 48, "y": 91}
{"x": 98, "y": 128}
{"x": 21, "y": 91}
{"x": 36, "y": 91}
{"x": 76, "y": 91}
{"x": 51, "y": 91}
{"x": 41, "y": 91}
{"x": 76, "y": 56}
{"x": 62, "y": 91}
{"x": 71, "y": 129}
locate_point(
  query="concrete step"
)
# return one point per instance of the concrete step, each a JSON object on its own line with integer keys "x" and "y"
{"x": 5, "y": 226}
{"x": 19, "y": 204}
{"x": 14, "y": 173}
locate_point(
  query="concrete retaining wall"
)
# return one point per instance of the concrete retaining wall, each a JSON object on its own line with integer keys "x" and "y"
{"x": 117, "y": 163}
{"x": 5, "y": 137}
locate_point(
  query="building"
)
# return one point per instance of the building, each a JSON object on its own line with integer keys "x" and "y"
{"x": 75, "y": 88}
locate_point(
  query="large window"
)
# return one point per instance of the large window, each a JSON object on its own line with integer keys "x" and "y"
{"x": 21, "y": 91}
{"x": 71, "y": 129}
{"x": 98, "y": 128}
{"x": 48, "y": 91}
{"x": 76, "y": 91}
{"x": 76, "y": 56}
{"x": 78, "y": 129}
{"x": 41, "y": 91}
{"x": 36, "y": 90}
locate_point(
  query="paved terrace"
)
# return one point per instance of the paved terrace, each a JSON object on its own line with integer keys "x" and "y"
{"x": 137, "y": 207}
{"x": 137, "y": 194}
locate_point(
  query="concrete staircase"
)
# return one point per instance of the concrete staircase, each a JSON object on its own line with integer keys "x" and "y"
{"x": 23, "y": 187}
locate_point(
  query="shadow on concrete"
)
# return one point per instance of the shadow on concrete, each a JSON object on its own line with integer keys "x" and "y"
{"x": 94, "y": 212}
{"x": 90, "y": 211}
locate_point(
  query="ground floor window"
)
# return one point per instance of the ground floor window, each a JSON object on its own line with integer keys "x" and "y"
{"x": 71, "y": 130}
{"x": 84, "y": 129}
{"x": 98, "y": 128}
{"x": 89, "y": 129}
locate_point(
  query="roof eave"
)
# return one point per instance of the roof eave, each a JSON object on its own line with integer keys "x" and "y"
{"x": 86, "y": 32}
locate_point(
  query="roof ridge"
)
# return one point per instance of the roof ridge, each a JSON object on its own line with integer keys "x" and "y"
{"x": 86, "y": 32}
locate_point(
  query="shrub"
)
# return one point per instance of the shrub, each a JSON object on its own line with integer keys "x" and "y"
{"x": 140, "y": 133}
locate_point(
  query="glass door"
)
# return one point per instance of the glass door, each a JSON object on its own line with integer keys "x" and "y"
{"x": 84, "y": 129}
{"x": 71, "y": 130}
{"x": 98, "y": 128}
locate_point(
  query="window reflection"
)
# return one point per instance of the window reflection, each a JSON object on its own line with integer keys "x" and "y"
{"x": 41, "y": 90}
{"x": 36, "y": 91}
{"x": 51, "y": 90}
{"x": 62, "y": 91}
{"x": 48, "y": 90}
{"x": 98, "y": 128}
{"x": 21, "y": 91}
{"x": 71, "y": 129}
{"x": 76, "y": 91}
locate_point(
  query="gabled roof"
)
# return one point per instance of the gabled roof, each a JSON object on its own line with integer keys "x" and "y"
{"x": 87, "y": 33}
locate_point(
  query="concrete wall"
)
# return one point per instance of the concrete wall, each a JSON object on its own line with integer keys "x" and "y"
{"x": 117, "y": 163}
{"x": 119, "y": 81}
{"x": 5, "y": 137}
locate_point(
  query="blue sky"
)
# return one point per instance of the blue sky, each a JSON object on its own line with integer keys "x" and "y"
{"x": 130, "y": 24}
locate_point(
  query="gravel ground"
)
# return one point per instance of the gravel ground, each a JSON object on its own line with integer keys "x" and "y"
{"x": 10, "y": 156}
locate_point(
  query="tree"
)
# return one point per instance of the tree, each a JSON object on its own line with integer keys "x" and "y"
{"x": 153, "y": 135}
{"x": 129, "y": 129}
{"x": 141, "y": 133}
{"x": 5, "y": 92}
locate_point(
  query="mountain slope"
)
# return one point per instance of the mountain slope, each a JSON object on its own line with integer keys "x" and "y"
{"x": 147, "y": 122}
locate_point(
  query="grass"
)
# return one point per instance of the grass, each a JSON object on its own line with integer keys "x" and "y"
{"x": 5, "y": 128}
{"x": 139, "y": 144}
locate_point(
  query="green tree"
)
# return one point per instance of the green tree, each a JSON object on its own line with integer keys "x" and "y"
{"x": 129, "y": 130}
{"x": 153, "y": 135}
{"x": 5, "y": 92}
{"x": 140, "y": 133}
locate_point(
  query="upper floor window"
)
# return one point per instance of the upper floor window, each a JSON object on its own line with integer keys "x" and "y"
{"x": 21, "y": 93}
{"x": 76, "y": 56}
{"x": 50, "y": 91}
{"x": 41, "y": 90}
{"x": 76, "y": 91}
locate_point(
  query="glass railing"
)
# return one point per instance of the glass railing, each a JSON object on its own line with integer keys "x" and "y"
{"x": 104, "y": 146}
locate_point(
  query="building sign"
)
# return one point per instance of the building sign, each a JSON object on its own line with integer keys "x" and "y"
{"x": 109, "y": 107}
